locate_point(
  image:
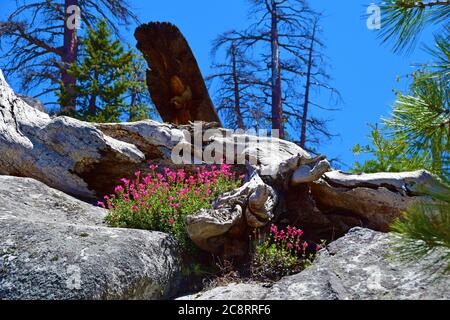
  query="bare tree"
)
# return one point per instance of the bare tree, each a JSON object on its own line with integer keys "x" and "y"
{"x": 316, "y": 78}
{"x": 285, "y": 42}
{"x": 41, "y": 43}
{"x": 237, "y": 100}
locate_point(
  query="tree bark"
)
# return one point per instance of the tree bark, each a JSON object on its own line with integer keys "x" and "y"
{"x": 92, "y": 109}
{"x": 277, "y": 106}
{"x": 307, "y": 89}
{"x": 70, "y": 52}
{"x": 174, "y": 78}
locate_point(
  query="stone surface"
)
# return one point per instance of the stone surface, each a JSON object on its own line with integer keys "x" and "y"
{"x": 32, "y": 102}
{"x": 53, "y": 246}
{"x": 359, "y": 266}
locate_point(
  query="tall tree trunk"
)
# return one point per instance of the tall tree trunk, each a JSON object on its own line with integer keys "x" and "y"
{"x": 133, "y": 104}
{"x": 237, "y": 96}
{"x": 70, "y": 51}
{"x": 277, "y": 107}
{"x": 92, "y": 108}
{"x": 307, "y": 89}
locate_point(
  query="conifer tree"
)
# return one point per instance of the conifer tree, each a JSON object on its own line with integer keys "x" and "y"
{"x": 109, "y": 84}
{"x": 139, "y": 105}
{"x": 43, "y": 38}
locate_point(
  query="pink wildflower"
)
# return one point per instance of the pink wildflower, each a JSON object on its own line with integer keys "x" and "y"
{"x": 125, "y": 181}
{"x": 147, "y": 180}
{"x": 305, "y": 245}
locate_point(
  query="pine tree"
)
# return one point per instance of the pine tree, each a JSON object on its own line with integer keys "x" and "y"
{"x": 417, "y": 135}
{"x": 139, "y": 104}
{"x": 42, "y": 40}
{"x": 404, "y": 20}
{"x": 425, "y": 230}
{"x": 109, "y": 86}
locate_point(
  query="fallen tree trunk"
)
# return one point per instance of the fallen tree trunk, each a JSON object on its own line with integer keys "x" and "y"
{"x": 284, "y": 184}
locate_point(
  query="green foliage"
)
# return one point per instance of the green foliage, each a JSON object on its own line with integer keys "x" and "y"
{"x": 161, "y": 202}
{"x": 417, "y": 135}
{"x": 283, "y": 253}
{"x": 390, "y": 154}
{"x": 440, "y": 68}
{"x": 423, "y": 119}
{"x": 110, "y": 82}
{"x": 404, "y": 20}
{"x": 139, "y": 104}
{"x": 425, "y": 229}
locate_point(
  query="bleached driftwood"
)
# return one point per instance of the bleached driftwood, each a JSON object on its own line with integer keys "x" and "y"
{"x": 375, "y": 199}
{"x": 250, "y": 206}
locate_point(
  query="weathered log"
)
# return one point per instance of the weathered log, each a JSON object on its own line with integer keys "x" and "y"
{"x": 174, "y": 79}
{"x": 250, "y": 206}
{"x": 373, "y": 199}
{"x": 413, "y": 183}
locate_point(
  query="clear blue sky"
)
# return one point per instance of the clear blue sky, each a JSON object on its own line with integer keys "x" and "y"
{"x": 363, "y": 70}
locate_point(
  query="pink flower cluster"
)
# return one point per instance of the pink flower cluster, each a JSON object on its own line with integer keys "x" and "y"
{"x": 168, "y": 194}
{"x": 290, "y": 239}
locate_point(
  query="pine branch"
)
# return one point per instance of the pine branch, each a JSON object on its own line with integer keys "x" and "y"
{"x": 404, "y": 20}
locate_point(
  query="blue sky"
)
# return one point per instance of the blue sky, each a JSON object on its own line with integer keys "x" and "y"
{"x": 364, "y": 71}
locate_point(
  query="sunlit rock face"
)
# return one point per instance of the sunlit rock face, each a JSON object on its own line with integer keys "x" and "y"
{"x": 56, "y": 247}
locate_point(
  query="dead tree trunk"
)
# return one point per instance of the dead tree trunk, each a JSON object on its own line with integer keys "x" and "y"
{"x": 284, "y": 185}
{"x": 307, "y": 88}
{"x": 174, "y": 79}
{"x": 69, "y": 56}
{"x": 277, "y": 106}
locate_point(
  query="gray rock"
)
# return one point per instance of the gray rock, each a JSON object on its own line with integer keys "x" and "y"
{"x": 53, "y": 246}
{"x": 233, "y": 291}
{"x": 32, "y": 102}
{"x": 359, "y": 266}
